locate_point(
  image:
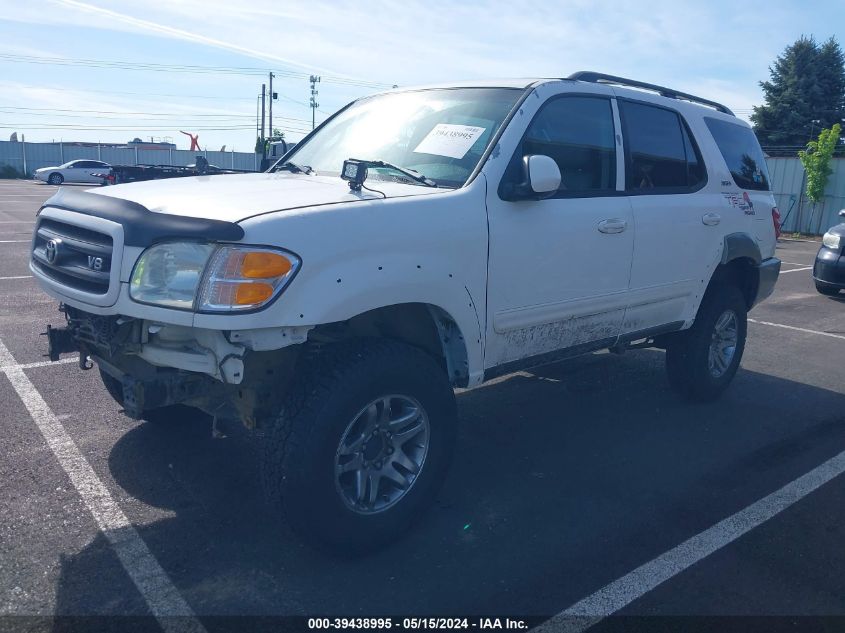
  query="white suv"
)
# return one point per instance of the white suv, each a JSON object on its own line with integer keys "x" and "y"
{"x": 417, "y": 241}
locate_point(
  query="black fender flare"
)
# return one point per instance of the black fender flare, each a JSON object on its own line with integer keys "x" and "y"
{"x": 739, "y": 245}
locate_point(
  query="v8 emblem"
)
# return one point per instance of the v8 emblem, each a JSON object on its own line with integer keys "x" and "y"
{"x": 95, "y": 263}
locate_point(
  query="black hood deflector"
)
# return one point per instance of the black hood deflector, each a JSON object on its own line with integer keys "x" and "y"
{"x": 142, "y": 227}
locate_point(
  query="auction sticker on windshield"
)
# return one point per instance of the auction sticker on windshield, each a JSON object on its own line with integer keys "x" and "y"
{"x": 447, "y": 139}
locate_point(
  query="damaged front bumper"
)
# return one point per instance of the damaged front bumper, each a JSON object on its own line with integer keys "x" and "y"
{"x": 159, "y": 365}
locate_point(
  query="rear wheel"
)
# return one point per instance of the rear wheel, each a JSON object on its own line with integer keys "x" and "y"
{"x": 162, "y": 415}
{"x": 361, "y": 445}
{"x": 56, "y": 179}
{"x": 702, "y": 361}
{"x": 827, "y": 289}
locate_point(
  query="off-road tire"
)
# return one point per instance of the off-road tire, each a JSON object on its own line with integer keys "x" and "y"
{"x": 687, "y": 353}
{"x": 55, "y": 179}
{"x": 163, "y": 415}
{"x": 827, "y": 289}
{"x": 333, "y": 384}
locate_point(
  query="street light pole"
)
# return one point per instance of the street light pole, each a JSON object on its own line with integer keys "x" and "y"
{"x": 272, "y": 96}
{"x": 263, "y": 145}
{"x": 314, "y": 105}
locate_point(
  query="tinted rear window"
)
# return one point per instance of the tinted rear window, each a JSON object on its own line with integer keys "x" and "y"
{"x": 661, "y": 157}
{"x": 742, "y": 153}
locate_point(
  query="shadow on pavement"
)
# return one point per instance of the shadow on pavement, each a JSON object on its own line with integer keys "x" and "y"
{"x": 564, "y": 479}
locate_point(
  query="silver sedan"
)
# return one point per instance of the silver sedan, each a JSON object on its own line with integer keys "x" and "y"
{"x": 73, "y": 171}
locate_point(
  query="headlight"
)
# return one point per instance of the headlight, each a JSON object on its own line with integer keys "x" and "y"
{"x": 245, "y": 278}
{"x": 211, "y": 278}
{"x": 169, "y": 274}
{"x": 831, "y": 240}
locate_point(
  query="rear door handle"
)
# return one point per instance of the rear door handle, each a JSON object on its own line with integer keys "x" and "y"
{"x": 613, "y": 225}
{"x": 711, "y": 219}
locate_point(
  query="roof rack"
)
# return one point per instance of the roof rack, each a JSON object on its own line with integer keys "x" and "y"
{"x": 593, "y": 77}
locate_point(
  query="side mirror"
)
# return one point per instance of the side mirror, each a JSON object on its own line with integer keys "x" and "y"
{"x": 540, "y": 179}
{"x": 543, "y": 174}
{"x": 842, "y": 213}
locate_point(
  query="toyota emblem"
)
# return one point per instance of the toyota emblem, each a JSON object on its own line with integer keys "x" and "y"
{"x": 52, "y": 250}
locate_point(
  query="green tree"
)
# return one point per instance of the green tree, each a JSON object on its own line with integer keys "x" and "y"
{"x": 805, "y": 92}
{"x": 816, "y": 161}
{"x": 832, "y": 81}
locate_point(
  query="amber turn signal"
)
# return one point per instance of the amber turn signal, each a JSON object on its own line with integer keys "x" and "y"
{"x": 252, "y": 293}
{"x": 264, "y": 265}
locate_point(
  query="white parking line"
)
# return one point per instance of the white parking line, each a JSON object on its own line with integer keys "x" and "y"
{"x": 622, "y": 592}
{"x": 43, "y": 363}
{"x": 17, "y": 277}
{"x": 797, "y": 329}
{"x": 795, "y": 270}
{"x": 17, "y": 221}
{"x": 14, "y": 241}
{"x": 162, "y": 597}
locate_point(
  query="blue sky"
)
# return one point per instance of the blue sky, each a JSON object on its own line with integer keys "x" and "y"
{"x": 718, "y": 49}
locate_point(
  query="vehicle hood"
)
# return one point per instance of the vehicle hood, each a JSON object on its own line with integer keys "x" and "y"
{"x": 235, "y": 197}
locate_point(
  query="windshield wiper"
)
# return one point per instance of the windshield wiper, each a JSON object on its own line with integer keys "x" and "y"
{"x": 299, "y": 169}
{"x": 410, "y": 173}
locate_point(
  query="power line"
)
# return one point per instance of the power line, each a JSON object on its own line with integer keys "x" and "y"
{"x": 136, "y": 129}
{"x": 105, "y": 111}
{"x": 107, "y": 115}
{"x": 170, "y": 119}
{"x": 140, "y": 94}
{"x": 186, "y": 68}
{"x": 135, "y": 94}
{"x": 75, "y": 126}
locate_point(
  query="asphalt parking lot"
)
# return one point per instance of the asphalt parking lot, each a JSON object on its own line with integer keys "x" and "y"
{"x": 566, "y": 480}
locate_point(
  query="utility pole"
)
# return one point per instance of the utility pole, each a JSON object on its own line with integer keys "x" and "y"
{"x": 263, "y": 145}
{"x": 272, "y": 96}
{"x": 314, "y": 105}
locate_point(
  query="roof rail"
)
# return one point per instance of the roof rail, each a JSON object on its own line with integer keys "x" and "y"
{"x": 593, "y": 77}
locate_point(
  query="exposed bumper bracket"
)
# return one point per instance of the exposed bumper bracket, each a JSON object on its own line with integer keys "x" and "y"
{"x": 60, "y": 340}
{"x": 163, "y": 389}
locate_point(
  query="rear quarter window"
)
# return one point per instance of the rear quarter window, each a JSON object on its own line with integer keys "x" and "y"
{"x": 742, "y": 153}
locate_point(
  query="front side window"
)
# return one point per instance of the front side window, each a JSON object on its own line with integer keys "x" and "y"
{"x": 661, "y": 155}
{"x": 440, "y": 133}
{"x": 742, "y": 153}
{"x": 578, "y": 134}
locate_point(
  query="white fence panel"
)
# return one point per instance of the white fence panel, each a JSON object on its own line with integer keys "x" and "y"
{"x": 27, "y": 157}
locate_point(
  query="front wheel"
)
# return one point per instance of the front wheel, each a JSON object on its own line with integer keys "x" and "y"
{"x": 361, "y": 445}
{"x": 55, "y": 179}
{"x": 702, "y": 361}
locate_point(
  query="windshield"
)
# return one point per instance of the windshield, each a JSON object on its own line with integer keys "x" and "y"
{"x": 439, "y": 133}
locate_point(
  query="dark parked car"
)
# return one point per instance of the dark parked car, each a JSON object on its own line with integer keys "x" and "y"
{"x": 829, "y": 269}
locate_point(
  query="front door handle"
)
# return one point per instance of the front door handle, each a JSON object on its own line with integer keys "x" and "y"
{"x": 613, "y": 225}
{"x": 711, "y": 219}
